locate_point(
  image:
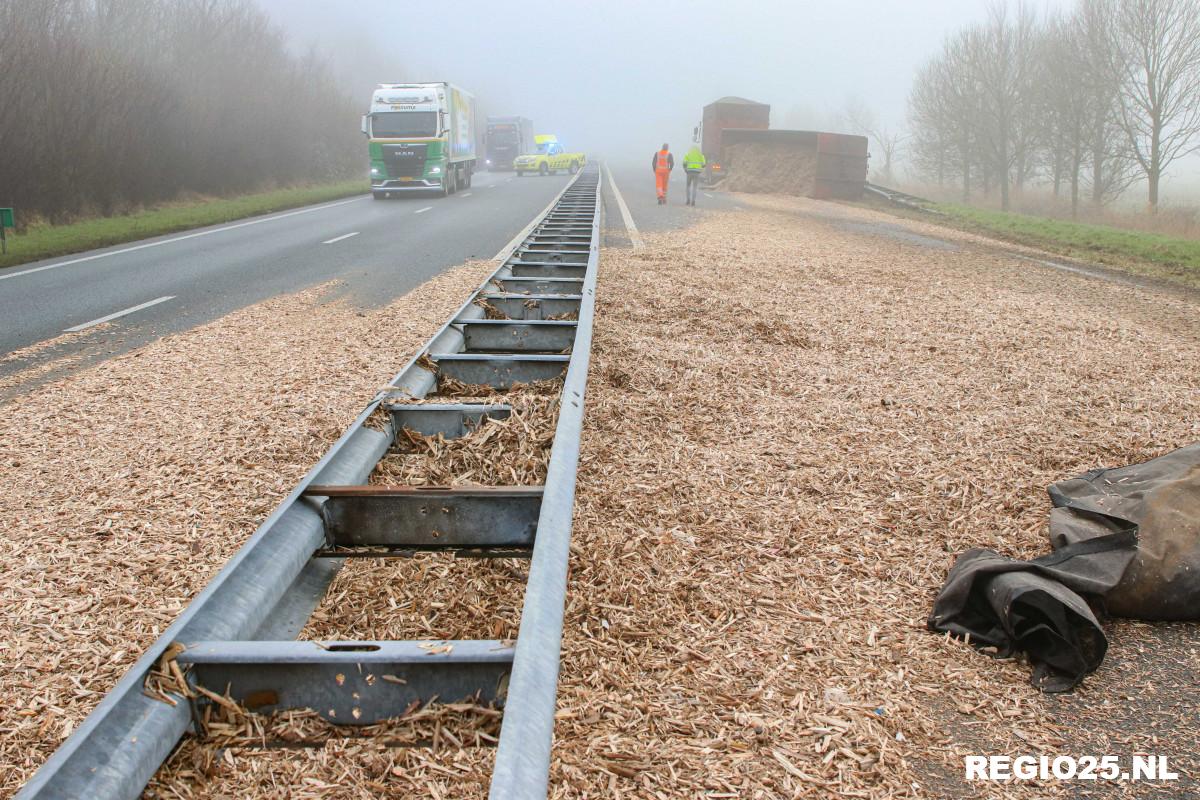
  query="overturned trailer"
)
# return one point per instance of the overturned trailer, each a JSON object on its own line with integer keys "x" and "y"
{"x": 726, "y": 114}
{"x": 827, "y": 166}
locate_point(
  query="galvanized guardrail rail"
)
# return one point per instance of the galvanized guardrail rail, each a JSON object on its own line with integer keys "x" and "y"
{"x": 898, "y": 198}
{"x": 239, "y": 633}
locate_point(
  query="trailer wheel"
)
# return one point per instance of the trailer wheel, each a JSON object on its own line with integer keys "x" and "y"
{"x": 544, "y": 169}
{"x": 574, "y": 167}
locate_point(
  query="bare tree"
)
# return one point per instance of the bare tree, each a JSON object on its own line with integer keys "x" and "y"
{"x": 944, "y": 112}
{"x": 1156, "y": 65}
{"x": 1003, "y": 61}
{"x": 1111, "y": 168}
{"x": 111, "y": 104}
{"x": 858, "y": 118}
{"x": 1077, "y": 107}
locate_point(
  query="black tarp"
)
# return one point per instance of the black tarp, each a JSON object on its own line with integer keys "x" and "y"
{"x": 1125, "y": 541}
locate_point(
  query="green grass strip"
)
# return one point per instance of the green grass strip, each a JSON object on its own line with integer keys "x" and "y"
{"x": 48, "y": 241}
{"x": 1150, "y": 254}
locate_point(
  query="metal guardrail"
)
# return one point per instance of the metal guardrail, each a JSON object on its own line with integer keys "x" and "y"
{"x": 239, "y": 632}
{"x": 896, "y": 197}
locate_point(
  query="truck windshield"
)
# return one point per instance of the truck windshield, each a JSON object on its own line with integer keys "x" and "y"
{"x": 395, "y": 124}
{"x": 503, "y": 139}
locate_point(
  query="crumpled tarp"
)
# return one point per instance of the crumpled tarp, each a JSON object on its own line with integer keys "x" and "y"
{"x": 1126, "y": 541}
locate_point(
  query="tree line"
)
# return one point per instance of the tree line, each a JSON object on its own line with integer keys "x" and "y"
{"x": 109, "y": 104}
{"x": 1087, "y": 101}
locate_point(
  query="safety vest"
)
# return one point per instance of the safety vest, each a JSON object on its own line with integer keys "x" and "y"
{"x": 663, "y": 164}
{"x": 693, "y": 162}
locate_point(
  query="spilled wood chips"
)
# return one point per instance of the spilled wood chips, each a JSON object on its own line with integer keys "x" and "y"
{"x": 797, "y": 415}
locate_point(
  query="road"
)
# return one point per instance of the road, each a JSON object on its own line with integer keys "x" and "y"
{"x": 83, "y": 308}
{"x": 634, "y": 181}
{"x": 147, "y": 289}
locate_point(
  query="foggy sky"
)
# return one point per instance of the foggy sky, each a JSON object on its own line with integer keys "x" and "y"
{"x": 618, "y": 77}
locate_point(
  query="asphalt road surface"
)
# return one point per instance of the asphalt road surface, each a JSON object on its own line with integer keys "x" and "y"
{"x": 147, "y": 289}
{"x": 634, "y": 182}
{"x": 379, "y": 250}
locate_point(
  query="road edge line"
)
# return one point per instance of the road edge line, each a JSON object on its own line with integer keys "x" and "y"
{"x": 634, "y": 236}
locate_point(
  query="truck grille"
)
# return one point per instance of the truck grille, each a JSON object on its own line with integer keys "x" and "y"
{"x": 404, "y": 160}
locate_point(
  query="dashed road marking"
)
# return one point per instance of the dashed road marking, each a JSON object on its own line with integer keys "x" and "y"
{"x": 336, "y": 239}
{"x": 114, "y": 315}
{"x": 423, "y": 210}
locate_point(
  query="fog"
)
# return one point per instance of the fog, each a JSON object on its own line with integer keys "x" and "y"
{"x": 617, "y": 78}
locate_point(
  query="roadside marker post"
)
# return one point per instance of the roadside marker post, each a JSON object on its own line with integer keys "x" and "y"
{"x": 6, "y": 222}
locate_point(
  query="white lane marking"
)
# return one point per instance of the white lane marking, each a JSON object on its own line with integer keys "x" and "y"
{"x": 340, "y": 238}
{"x": 256, "y": 221}
{"x": 86, "y": 325}
{"x": 465, "y": 194}
{"x": 490, "y": 186}
{"x": 634, "y": 237}
{"x": 423, "y": 210}
{"x": 520, "y": 237}
{"x": 706, "y": 194}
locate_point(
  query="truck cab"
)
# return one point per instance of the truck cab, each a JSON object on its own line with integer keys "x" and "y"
{"x": 507, "y": 138}
{"x": 421, "y": 136}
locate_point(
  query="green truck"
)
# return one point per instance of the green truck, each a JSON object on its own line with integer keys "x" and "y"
{"x": 421, "y": 137}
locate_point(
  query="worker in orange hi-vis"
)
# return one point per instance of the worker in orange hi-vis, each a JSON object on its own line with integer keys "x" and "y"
{"x": 663, "y": 163}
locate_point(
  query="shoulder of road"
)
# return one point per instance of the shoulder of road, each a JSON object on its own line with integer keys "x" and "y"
{"x": 1147, "y": 255}
{"x": 41, "y": 242}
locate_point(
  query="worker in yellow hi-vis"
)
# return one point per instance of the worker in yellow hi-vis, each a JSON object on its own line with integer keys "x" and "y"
{"x": 693, "y": 165}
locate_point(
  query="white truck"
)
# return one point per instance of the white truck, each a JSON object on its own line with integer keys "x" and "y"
{"x": 421, "y": 136}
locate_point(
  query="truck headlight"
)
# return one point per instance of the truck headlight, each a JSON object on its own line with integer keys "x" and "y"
{"x": 435, "y": 170}
{"x": 374, "y": 170}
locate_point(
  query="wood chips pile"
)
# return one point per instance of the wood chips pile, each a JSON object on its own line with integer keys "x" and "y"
{"x": 792, "y": 427}
{"x": 514, "y": 451}
{"x": 128, "y": 486}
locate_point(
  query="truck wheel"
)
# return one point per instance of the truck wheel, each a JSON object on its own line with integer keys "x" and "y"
{"x": 544, "y": 169}
{"x": 376, "y": 195}
{"x": 574, "y": 167}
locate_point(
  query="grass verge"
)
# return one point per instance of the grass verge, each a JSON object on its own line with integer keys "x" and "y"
{"x": 48, "y": 241}
{"x": 1151, "y": 254}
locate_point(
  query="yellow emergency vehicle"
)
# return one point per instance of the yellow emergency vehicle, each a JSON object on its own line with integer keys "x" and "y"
{"x": 549, "y": 158}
